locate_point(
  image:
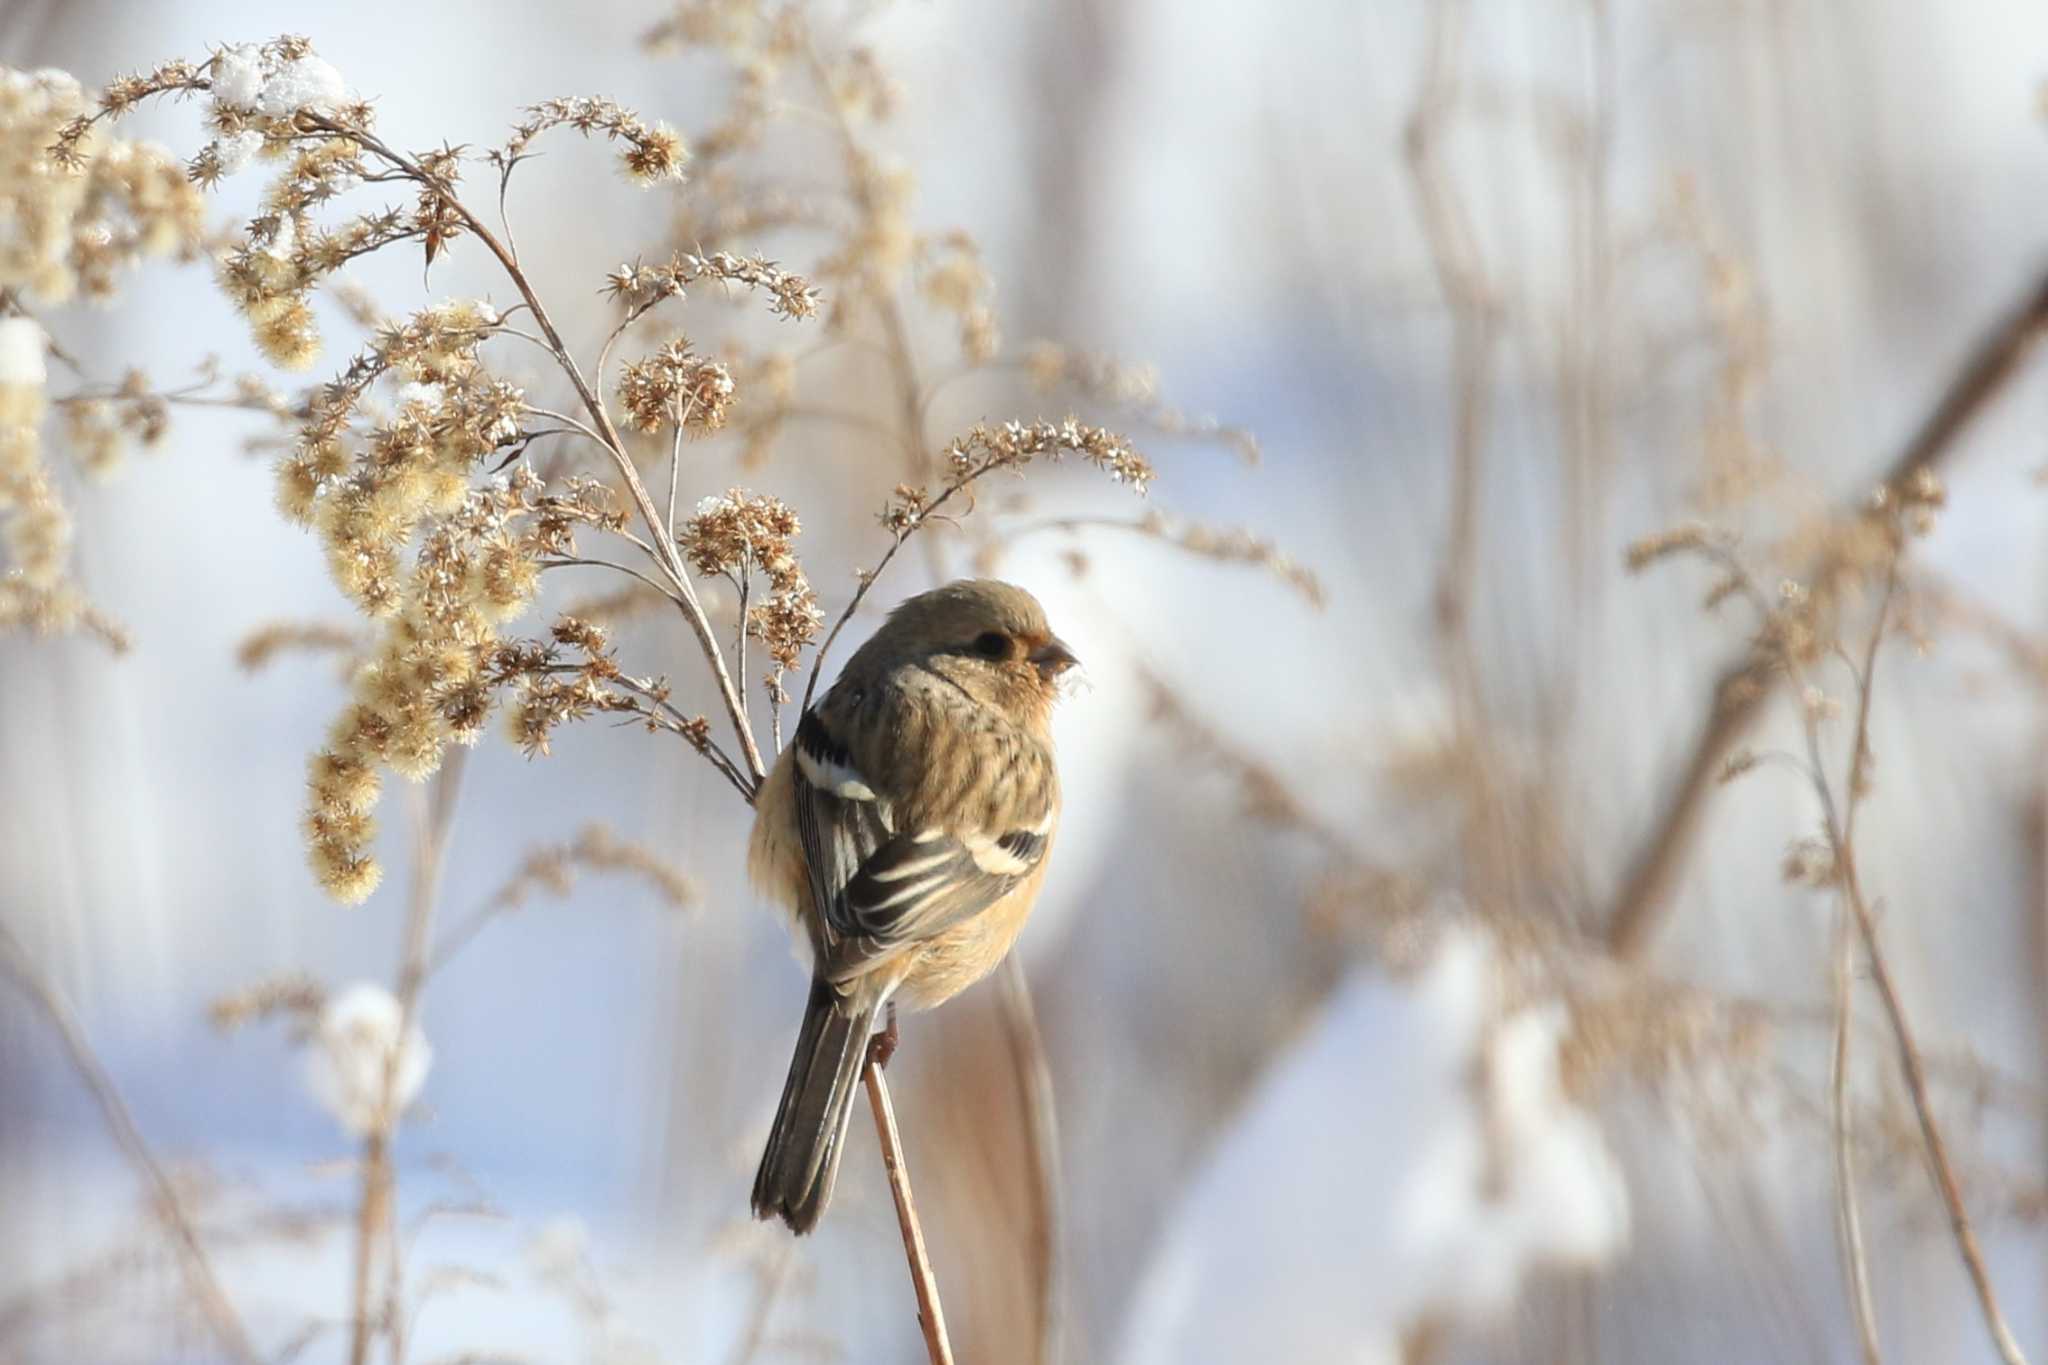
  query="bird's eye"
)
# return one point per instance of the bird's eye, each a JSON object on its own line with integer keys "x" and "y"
{"x": 992, "y": 644}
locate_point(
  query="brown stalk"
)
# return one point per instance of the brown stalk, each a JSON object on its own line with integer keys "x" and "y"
{"x": 1856, "y": 1261}
{"x": 165, "y": 1202}
{"x": 775, "y": 1274}
{"x": 1042, "y": 1138}
{"x": 1911, "y": 1061}
{"x": 931, "y": 1318}
{"x": 376, "y": 1211}
{"x": 1645, "y": 895}
{"x": 1460, "y": 269}
{"x": 1848, "y": 1216}
{"x": 1461, "y": 276}
{"x": 608, "y": 436}
{"x": 1946, "y": 1184}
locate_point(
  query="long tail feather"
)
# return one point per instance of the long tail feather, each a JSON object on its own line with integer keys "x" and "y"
{"x": 802, "y": 1157}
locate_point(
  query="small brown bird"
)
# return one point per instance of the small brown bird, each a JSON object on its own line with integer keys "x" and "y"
{"x": 906, "y": 828}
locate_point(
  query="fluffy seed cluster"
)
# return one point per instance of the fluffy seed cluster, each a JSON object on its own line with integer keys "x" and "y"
{"x": 78, "y": 220}
{"x": 676, "y": 387}
{"x": 739, "y": 534}
{"x": 78, "y": 211}
{"x": 35, "y": 526}
{"x": 1827, "y": 564}
{"x": 432, "y": 679}
{"x": 552, "y": 870}
{"x": 572, "y": 676}
{"x": 280, "y": 101}
{"x": 99, "y": 429}
{"x": 650, "y": 154}
{"x": 368, "y": 493}
{"x": 956, "y": 282}
{"x": 1130, "y": 389}
{"x": 984, "y": 449}
{"x": 643, "y": 286}
{"x": 1229, "y": 545}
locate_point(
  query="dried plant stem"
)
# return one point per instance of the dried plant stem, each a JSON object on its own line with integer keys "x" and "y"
{"x": 1946, "y": 1184}
{"x": 1042, "y": 1138}
{"x": 1461, "y": 276}
{"x": 1460, "y": 269}
{"x": 1856, "y": 1261}
{"x": 370, "y": 1224}
{"x": 931, "y": 1318}
{"x": 608, "y": 435}
{"x": 1652, "y": 874}
{"x": 1840, "y": 832}
{"x": 774, "y": 1275}
{"x": 376, "y": 1211}
{"x": 165, "y": 1201}
{"x": 1849, "y": 1218}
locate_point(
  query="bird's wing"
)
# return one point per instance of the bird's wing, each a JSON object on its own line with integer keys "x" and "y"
{"x": 879, "y": 889}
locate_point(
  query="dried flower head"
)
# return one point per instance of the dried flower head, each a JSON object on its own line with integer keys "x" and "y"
{"x": 985, "y": 448}
{"x": 675, "y": 386}
{"x": 650, "y": 153}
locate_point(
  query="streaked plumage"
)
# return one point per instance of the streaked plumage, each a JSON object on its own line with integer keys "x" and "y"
{"x": 907, "y": 828}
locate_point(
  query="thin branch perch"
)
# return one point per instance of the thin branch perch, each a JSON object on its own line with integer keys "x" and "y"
{"x": 165, "y": 1201}
{"x": 931, "y": 1318}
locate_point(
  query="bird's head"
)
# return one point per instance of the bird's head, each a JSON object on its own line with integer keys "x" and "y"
{"x": 989, "y": 637}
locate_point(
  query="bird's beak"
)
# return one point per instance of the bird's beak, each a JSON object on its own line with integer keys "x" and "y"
{"x": 1053, "y": 657}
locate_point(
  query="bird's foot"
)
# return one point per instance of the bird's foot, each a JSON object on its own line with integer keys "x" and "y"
{"x": 882, "y": 1046}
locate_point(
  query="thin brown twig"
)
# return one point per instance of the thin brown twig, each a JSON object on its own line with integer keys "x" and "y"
{"x": 1911, "y": 1061}
{"x": 1849, "y": 1217}
{"x": 567, "y": 562}
{"x": 606, "y": 432}
{"x": 1461, "y": 275}
{"x": 376, "y": 1211}
{"x": 168, "y": 1205}
{"x": 1033, "y": 1072}
{"x": 1740, "y": 693}
{"x": 1460, "y": 269}
{"x": 1856, "y": 1261}
{"x": 775, "y": 1274}
{"x": 931, "y": 1318}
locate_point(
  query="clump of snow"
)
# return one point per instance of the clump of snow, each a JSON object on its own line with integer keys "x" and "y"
{"x": 238, "y": 76}
{"x": 427, "y": 395}
{"x": 236, "y": 152}
{"x": 356, "y": 1040}
{"x": 303, "y": 83}
{"x": 284, "y": 239}
{"x": 22, "y": 350}
{"x": 243, "y": 79}
{"x": 1412, "y": 1158}
{"x": 560, "y": 1249}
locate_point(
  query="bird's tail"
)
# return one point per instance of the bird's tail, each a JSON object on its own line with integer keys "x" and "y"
{"x": 802, "y": 1157}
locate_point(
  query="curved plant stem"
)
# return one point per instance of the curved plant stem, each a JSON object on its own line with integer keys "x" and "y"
{"x": 165, "y": 1201}
{"x": 376, "y": 1212}
{"x": 1042, "y": 1137}
{"x": 1849, "y": 1218}
{"x": 931, "y": 1318}
{"x": 1840, "y": 832}
{"x": 607, "y": 433}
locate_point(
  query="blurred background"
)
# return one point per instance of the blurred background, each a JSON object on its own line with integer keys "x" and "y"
{"x": 1353, "y": 1059}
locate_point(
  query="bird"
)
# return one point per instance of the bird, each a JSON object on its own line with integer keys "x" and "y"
{"x": 906, "y": 829}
